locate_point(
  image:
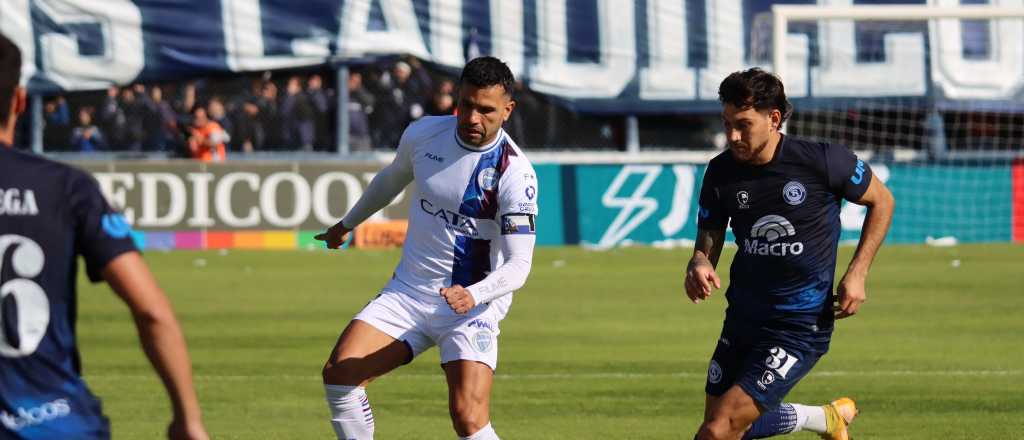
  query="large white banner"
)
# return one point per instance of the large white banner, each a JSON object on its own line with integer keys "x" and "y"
{"x": 614, "y": 56}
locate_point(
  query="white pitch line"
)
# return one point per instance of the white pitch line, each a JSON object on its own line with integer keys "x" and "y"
{"x": 577, "y": 376}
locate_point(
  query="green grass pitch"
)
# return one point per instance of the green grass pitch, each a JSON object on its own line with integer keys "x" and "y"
{"x": 599, "y": 345}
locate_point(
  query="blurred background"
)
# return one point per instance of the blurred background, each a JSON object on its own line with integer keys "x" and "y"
{"x": 616, "y": 103}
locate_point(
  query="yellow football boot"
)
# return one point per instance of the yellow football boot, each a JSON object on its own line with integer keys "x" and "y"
{"x": 838, "y": 416}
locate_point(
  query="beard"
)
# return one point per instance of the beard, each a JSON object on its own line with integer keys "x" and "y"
{"x": 747, "y": 153}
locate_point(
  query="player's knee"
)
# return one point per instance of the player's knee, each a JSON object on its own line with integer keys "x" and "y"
{"x": 718, "y": 429}
{"x": 349, "y": 371}
{"x": 469, "y": 416}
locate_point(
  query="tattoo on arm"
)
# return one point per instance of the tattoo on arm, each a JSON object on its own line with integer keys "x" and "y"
{"x": 708, "y": 247}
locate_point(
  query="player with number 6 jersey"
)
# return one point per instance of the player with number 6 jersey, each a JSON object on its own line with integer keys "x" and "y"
{"x": 51, "y": 213}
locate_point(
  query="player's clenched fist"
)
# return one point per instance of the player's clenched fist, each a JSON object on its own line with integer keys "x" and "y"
{"x": 700, "y": 278}
{"x": 851, "y": 295}
{"x": 459, "y": 299}
{"x": 334, "y": 236}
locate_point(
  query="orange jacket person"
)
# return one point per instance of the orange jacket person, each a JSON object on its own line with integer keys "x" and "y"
{"x": 206, "y": 142}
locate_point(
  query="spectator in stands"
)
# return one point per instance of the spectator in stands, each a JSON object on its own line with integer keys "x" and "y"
{"x": 360, "y": 107}
{"x": 217, "y": 113}
{"x": 443, "y": 100}
{"x": 207, "y": 139}
{"x": 447, "y": 86}
{"x": 134, "y": 107}
{"x": 411, "y": 91}
{"x": 87, "y": 137}
{"x": 441, "y": 104}
{"x": 399, "y": 102}
{"x": 383, "y": 100}
{"x": 111, "y": 117}
{"x": 186, "y": 99}
{"x": 267, "y": 102}
{"x": 58, "y": 123}
{"x": 297, "y": 116}
{"x": 322, "y": 101}
{"x": 249, "y": 134}
{"x": 419, "y": 79}
{"x": 161, "y": 122}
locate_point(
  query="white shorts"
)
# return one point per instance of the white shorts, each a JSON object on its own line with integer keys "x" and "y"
{"x": 423, "y": 321}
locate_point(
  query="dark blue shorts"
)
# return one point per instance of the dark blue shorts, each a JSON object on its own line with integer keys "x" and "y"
{"x": 765, "y": 365}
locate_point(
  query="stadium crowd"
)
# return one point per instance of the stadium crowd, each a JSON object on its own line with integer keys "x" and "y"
{"x": 212, "y": 118}
{"x": 295, "y": 111}
{"x": 284, "y": 111}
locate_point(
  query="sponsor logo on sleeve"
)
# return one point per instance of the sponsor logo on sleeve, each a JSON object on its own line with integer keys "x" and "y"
{"x": 531, "y": 192}
{"x": 526, "y": 207}
{"x": 858, "y": 173}
{"x": 115, "y": 225}
{"x": 714, "y": 372}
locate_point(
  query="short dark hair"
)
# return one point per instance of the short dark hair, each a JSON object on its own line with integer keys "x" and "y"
{"x": 755, "y": 88}
{"x": 10, "y": 74}
{"x": 487, "y": 71}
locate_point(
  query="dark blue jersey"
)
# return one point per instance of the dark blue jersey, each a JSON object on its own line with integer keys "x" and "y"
{"x": 785, "y": 217}
{"x": 49, "y": 214}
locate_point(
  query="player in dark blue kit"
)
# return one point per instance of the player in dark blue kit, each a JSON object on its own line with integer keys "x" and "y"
{"x": 49, "y": 214}
{"x": 781, "y": 196}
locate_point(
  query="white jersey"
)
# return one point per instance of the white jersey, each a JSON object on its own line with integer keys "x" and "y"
{"x": 469, "y": 205}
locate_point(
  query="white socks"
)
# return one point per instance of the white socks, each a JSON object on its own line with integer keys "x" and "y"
{"x": 350, "y": 412}
{"x": 352, "y": 418}
{"x": 485, "y": 433}
{"x": 810, "y": 418}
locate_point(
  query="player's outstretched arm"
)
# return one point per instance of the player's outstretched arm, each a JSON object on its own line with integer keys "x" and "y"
{"x": 161, "y": 339}
{"x": 700, "y": 272}
{"x": 881, "y": 205}
{"x": 384, "y": 187}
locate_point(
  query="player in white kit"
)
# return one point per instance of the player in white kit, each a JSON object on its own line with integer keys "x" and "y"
{"x": 469, "y": 246}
